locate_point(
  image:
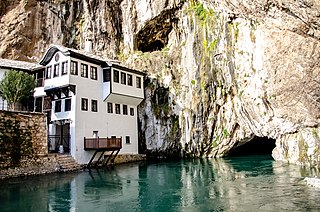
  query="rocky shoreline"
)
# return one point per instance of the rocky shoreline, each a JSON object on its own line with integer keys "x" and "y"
{"x": 48, "y": 164}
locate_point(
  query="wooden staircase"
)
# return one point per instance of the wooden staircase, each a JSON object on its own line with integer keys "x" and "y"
{"x": 67, "y": 163}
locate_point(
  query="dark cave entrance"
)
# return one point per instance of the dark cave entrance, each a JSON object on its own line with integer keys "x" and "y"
{"x": 257, "y": 146}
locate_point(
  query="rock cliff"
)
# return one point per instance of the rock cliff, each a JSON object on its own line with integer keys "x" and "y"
{"x": 221, "y": 73}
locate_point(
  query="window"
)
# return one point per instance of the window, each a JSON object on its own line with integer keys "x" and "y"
{"x": 130, "y": 79}
{"x": 117, "y": 108}
{"x": 125, "y": 110}
{"x": 93, "y": 73}
{"x": 84, "y": 70}
{"x": 128, "y": 140}
{"x": 57, "y": 106}
{"x": 106, "y": 75}
{"x": 64, "y": 68}
{"x": 48, "y": 72}
{"x": 67, "y": 105}
{"x": 74, "y": 68}
{"x": 84, "y": 104}
{"x": 138, "y": 82}
{"x": 123, "y": 78}
{"x": 94, "y": 105}
{"x": 110, "y": 107}
{"x": 116, "y": 76}
{"x": 56, "y": 70}
{"x": 131, "y": 111}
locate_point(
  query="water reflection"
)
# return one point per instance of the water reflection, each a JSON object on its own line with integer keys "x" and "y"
{"x": 232, "y": 184}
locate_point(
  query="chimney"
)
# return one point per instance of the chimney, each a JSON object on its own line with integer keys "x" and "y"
{"x": 88, "y": 45}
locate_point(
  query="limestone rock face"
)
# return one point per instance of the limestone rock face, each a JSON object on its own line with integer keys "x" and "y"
{"x": 220, "y": 72}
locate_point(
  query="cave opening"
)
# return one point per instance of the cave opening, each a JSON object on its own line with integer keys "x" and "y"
{"x": 156, "y": 45}
{"x": 257, "y": 146}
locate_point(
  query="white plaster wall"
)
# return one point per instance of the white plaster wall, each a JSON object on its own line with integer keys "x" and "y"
{"x": 62, "y": 79}
{"x": 39, "y": 91}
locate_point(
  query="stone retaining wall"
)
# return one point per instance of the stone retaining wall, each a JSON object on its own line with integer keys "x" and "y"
{"x": 32, "y": 166}
{"x": 35, "y": 123}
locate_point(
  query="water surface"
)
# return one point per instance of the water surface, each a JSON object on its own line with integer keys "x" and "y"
{"x": 249, "y": 183}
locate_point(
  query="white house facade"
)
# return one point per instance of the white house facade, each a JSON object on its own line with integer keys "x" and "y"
{"x": 86, "y": 96}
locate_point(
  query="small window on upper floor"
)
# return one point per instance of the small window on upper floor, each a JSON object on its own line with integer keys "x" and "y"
{"x": 130, "y": 79}
{"x": 67, "y": 105}
{"x": 84, "y": 104}
{"x": 106, "y": 75}
{"x": 56, "y": 70}
{"x": 123, "y": 78}
{"x": 94, "y": 105}
{"x": 84, "y": 70}
{"x": 138, "y": 82}
{"x": 57, "y": 106}
{"x": 48, "y": 72}
{"x": 125, "y": 110}
{"x": 74, "y": 68}
{"x": 131, "y": 111}
{"x": 64, "y": 68}
{"x": 116, "y": 76}
{"x": 110, "y": 107}
{"x": 117, "y": 108}
{"x": 93, "y": 73}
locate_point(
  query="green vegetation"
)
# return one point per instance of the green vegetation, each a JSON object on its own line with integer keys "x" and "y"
{"x": 225, "y": 133}
{"x": 16, "y": 86}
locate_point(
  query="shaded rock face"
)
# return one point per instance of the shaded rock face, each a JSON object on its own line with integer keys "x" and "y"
{"x": 232, "y": 71}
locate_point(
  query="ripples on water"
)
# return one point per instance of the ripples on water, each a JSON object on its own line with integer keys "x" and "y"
{"x": 233, "y": 184}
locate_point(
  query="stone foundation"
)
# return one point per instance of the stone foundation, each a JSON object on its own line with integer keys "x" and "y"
{"x": 127, "y": 158}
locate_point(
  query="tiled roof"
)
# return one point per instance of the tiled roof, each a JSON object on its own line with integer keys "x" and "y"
{"x": 82, "y": 52}
{"x": 22, "y": 65}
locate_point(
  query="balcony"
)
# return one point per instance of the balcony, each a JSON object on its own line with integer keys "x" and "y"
{"x": 107, "y": 144}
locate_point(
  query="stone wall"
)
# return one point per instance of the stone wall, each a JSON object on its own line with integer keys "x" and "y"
{"x": 31, "y": 124}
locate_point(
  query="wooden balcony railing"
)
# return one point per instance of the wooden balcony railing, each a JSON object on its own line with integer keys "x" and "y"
{"x": 112, "y": 143}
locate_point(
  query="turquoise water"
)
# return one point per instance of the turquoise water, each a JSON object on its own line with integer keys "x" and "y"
{"x": 249, "y": 183}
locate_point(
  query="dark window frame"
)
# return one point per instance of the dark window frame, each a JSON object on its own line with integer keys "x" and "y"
{"x": 138, "y": 82}
{"x": 125, "y": 109}
{"x": 129, "y": 78}
{"x": 106, "y": 75}
{"x": 123, "y": 78}
{"x": 57, "y": 106}
{"x": 117, "y": 108}
{"x": 84, "y": 70}
{"x": 128, "y": 140}
{"x": 64, "y": 68}
{"x": 67, "y": 105}
{"x": 110, "y": 107}
{"x": 131, "y": 111}
{"x": 94, "y": 105}
{"x": 56, "y": 70}
{"x": 48, "y": 72}
{"x": 74, "y": 67}
{"x": 93, "y": 72}
{"x": 84, "y": 104}
{"x": 116, "y": 76}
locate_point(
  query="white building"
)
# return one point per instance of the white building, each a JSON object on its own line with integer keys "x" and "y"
{"x": 87, "y": 96}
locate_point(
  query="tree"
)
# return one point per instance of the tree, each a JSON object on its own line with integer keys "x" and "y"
{"x": 16, "y": 86}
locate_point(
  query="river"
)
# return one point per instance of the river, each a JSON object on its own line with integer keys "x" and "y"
{"x": 247, "y": 183}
